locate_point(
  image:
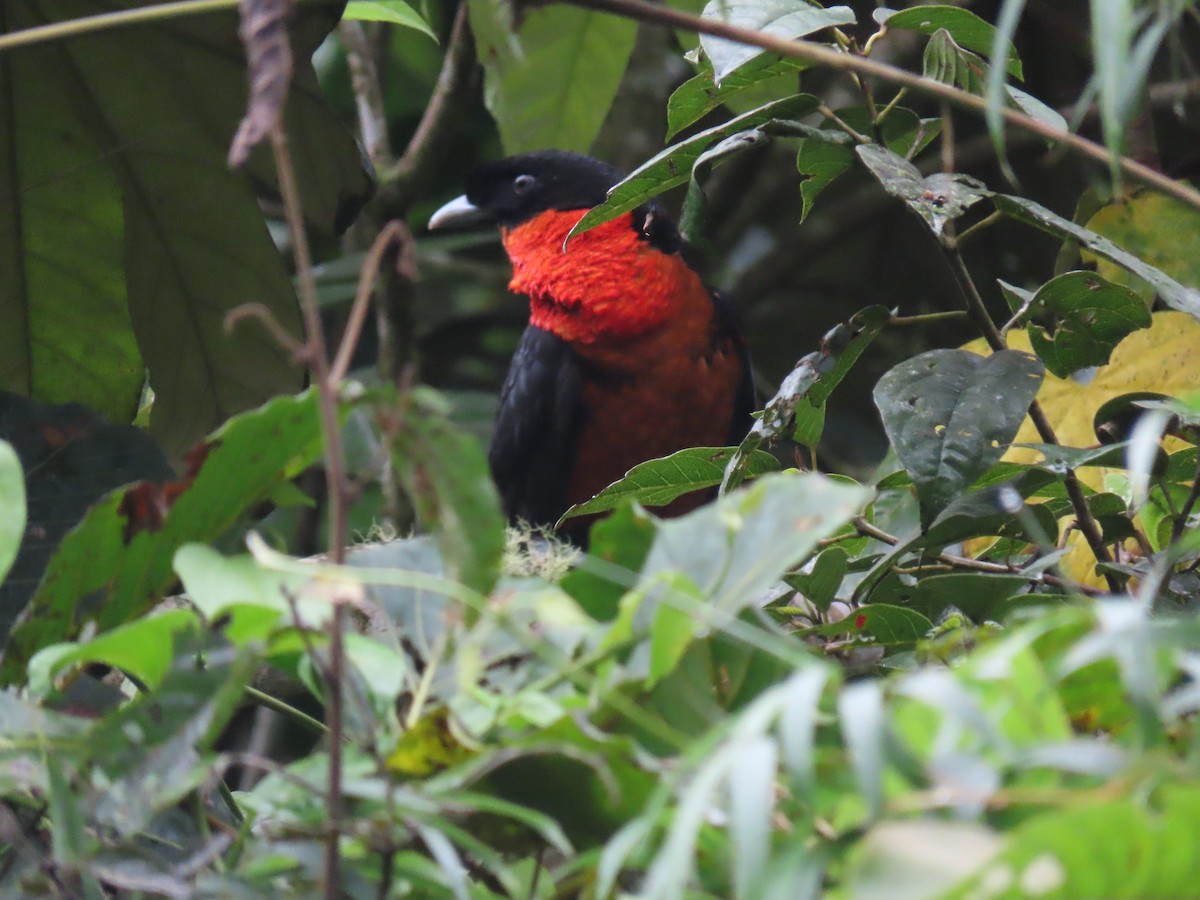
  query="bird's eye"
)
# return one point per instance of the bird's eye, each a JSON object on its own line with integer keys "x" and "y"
{"x": 523, "y": 184}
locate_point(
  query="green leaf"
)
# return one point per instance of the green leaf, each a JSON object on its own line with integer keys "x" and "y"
{"x": 950, "y": 414}
{"x": 116, "y": 188}
{"x": 786, "y": 19}
{"x": 144, "y": 648}
{"x": 249, "y": 599}
{"x": 810, "y": 409}
{"x": 965, "y": 27}
{"x": 947, "y": 62}
{"x": 823, "y": 160}
{"x": 736, "y": 548}
{"x": 1172, "y": 292}
{"x": 445, "y": 472}
{"x": 1138, "y": 224}
{"x": 12, "y": 502}
{"x": 820, "y": 585}
{"x": 396, "y": 12}
{"x": 937, "y": 199}
{"x": 551, "y": 83}
{"x": 1107, "y": 848}
{"x": 883, "y": 623}
{"x": 673, "y": 166}
{"x": 698, "y": 96}
{"x": 978, "y": 595}
{"x": 118, "y": 561}
{"x": 1091, "y": 317}
{"x": 617, "y": 548}
{"x": 657, "y": 482}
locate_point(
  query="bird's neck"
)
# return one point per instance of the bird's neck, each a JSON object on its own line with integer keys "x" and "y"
{"x": 610, "y": 285}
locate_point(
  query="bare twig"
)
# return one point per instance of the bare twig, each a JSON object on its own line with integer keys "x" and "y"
{"x": 400, "y": 183}
{"x": 393, "y": 232}
{"x": 859, "y": 65}
{"x": 983, "y": 321}
{"x": 368, "y": 95}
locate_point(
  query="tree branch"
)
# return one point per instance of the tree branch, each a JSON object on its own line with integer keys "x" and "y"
{"x": 859, "y": 65}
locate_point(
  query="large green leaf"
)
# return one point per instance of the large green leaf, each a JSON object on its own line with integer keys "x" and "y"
{"x": 777, "y": 18}
{"x": 118, "y": 561}
{"x": 550, "y": 82}
{"x": 699, "y": 96}
{"x": 12, "y": 502}
{"x": 1091, "y": 316}
{"x": 950, "y": 414}
{"x": 129, "y": 238}
{"x": 659, "y": 481}
{"x": 446, "y": 475}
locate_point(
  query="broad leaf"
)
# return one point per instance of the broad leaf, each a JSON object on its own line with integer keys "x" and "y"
{"x": 116, "y": 563}
{"x": 965, "y": 27}
{"x": 950, "y": 415}
{"x": 778, "y": 18}
{"x": 881, "y": 622}
{"x": 131, "y": 239}
{"x": 551, "y": 82}
{"x": 1138, "y": 224}
{"x": 1091, "y": 316}
{"x": 12, "y": 501}
{"x": 395, "y": 12}
{"x": 673, "y": 166}
{"x": 699, "y": 96}
{"x": 659, "y": 481}
{"x": 446, "y": 475}
{"x": 1172, "y": 292}
{"x": 937, "y": 199}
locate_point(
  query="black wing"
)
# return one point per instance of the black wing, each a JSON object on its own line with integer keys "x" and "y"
{"x": 537, "y": 428}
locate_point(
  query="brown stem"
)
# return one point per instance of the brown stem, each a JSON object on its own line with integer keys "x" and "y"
{"x": 983, "y": 321}
{"x": 407, "y": 175}
{"x": 866, "y": 529}
{"x": 335, "y": 485}
{"x": 394, "y": 231}
{"x": 368, "y": 95}
{"x": 820, "y": 54}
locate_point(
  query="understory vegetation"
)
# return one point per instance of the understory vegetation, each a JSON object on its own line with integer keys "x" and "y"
{"x": 265, "y": 630}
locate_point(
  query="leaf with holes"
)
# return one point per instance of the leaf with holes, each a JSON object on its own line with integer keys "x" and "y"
{"x": 1091, "y": 316}
{"x": 950, "y": 414}
{"x": 778, "y": 18}
{"x": 937, "y": 199}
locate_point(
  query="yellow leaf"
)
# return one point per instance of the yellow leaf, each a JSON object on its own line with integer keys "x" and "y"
{"x": 1159, "y": 230}
{"x": 428, "y": 747}
{"x": 1164, "y": 358}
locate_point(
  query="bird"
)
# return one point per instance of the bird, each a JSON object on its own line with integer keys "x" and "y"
{"x": 628, "y": 355}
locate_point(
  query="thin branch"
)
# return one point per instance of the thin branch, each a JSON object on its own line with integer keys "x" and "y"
{"x": 1088, "y": 525}
{"x": 56, "y": 31}
{"x": 820, "y": 54}
{"x": 408, "y": 174}
{"x": 394, "y": 231}
{"x": 368, "y": 95}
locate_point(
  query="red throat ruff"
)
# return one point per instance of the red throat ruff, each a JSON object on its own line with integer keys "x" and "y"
{"x": 610, "y": 284}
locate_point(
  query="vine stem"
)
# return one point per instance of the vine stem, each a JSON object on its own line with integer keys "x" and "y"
{"x": 860, "y": 65}
{"x": 335, "y": 483}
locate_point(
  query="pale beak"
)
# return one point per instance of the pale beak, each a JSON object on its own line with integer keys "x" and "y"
{"x": 460, "y": 213}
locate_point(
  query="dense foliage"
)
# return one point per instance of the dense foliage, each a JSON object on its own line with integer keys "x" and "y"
{"x": 971, "y": 669}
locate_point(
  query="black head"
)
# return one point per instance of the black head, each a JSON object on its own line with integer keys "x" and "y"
{"x": 514, "y": 190}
